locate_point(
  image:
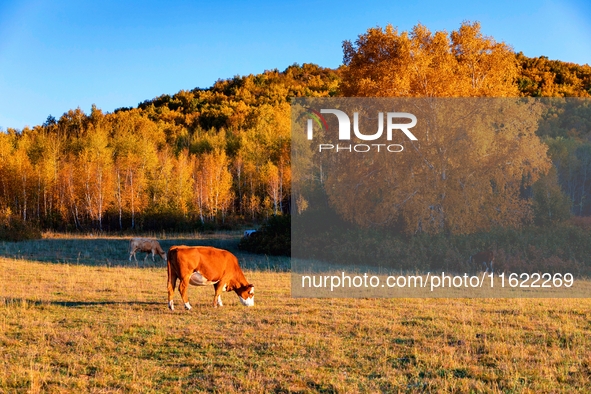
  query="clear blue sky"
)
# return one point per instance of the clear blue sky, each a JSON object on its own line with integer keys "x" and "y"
{"x": 59, "y": 55}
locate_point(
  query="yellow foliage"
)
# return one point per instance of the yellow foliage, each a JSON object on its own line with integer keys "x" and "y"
{"x": 386, "y": 63}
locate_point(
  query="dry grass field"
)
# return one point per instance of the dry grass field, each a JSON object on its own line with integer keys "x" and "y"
{"x": 83, "y": 327}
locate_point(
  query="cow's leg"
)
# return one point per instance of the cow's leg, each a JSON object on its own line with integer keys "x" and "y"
{"x": 153, "y": 256}
{"x": 183, "y": 287}
{"x": 217, "y": 298}
{"x": 171, "y": 286}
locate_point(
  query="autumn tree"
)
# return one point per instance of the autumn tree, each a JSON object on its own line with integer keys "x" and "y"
{"x": 5, "y": 175}
{"x": 550, "y": 204}
{"x": 273, "y": 186}
{"x": 182, "y": 183}
{"x": 386, "y": 63}
{"x": 161, "y": 186}
{"x": 48, "y": 168}
{"x": 572, "y": 161}
{"x": 472, "y": 157}
{"x": 135, "y": 144}
{"x": 213, "y": 185}
{"x": 541, "y": 77}
{"x": 96, "y": 160}
{"x": 16, "y": 173}
{"x": 70, "y": 206}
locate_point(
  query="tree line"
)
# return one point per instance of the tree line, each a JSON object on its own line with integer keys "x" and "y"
{"x": 221, "y": 155}
{"x": 214, "y": 156}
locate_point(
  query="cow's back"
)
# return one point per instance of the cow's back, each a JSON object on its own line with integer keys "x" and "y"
{"x": 216, "y": 264}
{"x": 141, "y": 244}
{"x": 135, "y": 243}
{"x": 213, "y": 263}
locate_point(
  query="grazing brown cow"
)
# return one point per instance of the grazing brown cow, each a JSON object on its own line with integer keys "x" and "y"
{"x": 204, "y": 265}
{"x": 145, "y": 245}
{"x": 484, "y": 259}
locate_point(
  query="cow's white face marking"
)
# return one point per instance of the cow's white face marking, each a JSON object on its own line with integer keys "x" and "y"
{"x": 187, "y": 306}
{"x": 197, "y": 279}
{"x": 225, "y": 288}
{"x": 171, "y": 305}
{"x": 247, "y": 302}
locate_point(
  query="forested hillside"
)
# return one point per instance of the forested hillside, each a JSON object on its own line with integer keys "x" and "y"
{"x": 221, "y": 156}
{"x": 218, "y": 155}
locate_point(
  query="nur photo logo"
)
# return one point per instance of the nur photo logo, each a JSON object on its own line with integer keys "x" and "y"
{"x": 395, "y": 121}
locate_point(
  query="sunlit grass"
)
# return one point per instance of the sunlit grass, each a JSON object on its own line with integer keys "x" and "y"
{"x": 84, "y": 328}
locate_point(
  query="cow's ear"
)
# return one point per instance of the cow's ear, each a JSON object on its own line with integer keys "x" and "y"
{"x": 251, "y": 291}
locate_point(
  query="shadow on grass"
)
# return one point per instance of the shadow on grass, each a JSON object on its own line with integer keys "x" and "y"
{"x": 114, "y": 252}
{"x": 74, "y": 304}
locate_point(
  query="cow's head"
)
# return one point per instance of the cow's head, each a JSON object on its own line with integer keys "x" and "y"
{"x": 246, "y": 295}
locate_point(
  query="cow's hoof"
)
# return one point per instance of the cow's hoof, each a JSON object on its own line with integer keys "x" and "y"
{"x": 171, "y": 305}
{"x": 187, "y": 306}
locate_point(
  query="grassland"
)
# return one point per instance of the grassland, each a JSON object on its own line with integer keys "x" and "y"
{"x": 113, "y": 251}
{"x": 100, "y": 324}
